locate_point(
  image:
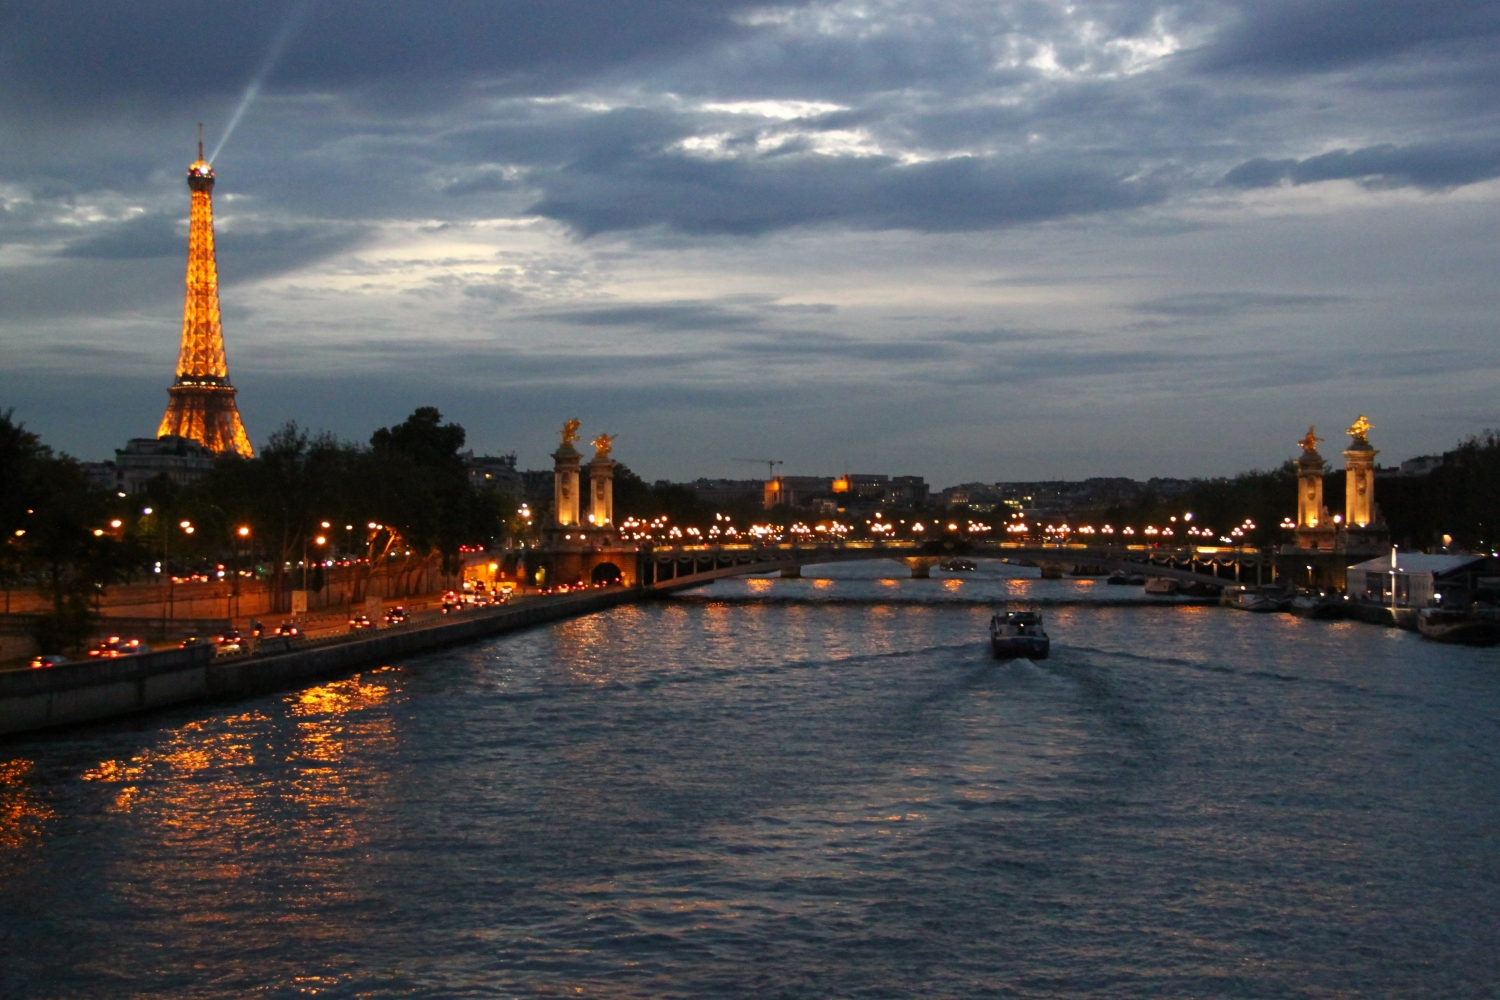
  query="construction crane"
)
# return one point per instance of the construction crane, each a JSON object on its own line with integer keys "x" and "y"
{"x": 770, "y": 464}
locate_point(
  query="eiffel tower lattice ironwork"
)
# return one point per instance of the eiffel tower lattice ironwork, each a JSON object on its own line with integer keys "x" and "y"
{"x": 201, "y": 401}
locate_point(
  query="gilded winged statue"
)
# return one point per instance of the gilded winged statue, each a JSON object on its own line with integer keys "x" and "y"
{"x": 1310, "y": 443}
{"x": 1360, "y": 428}
{"x": 602, "y": 444}
{"x": 570, "y": 431}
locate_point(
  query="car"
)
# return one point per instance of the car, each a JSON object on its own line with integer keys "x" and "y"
{"x": 117, "y": 646}
{"x": 395, "y": 616}
{"x": 450, "y": 607}
{"x": 231, "y": 643}
{"x": 192, "y": 640}
{"x": 289, "y": 629}
{"x": 49, "y": 660}
{"x": 360, "y": 621}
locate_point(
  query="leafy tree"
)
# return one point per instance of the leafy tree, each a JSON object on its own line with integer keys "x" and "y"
{"x": 283, "y": 495}
{"x": 58, "y": 533}
{"x": 421, "y": 488}
{"x": 1263, "y": 497}
{"x": 1460, "y": 498}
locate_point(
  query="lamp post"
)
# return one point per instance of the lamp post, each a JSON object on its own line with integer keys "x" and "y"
{"x": 242, "y": 533}
{"x": 319, "y": 540}
{"x": 1393, "y": 582}
{"x": 187, "y": 528}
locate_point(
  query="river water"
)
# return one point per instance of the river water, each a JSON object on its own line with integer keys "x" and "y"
{"x": 803, "y": 788}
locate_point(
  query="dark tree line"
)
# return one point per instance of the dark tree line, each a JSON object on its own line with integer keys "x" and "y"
{"x": 1262, "y": 497}
{"x": 1460, "y": 498}
{"x": 634, "y": 497}
{"x": 406, "y": 494}
{"x": 57, "y": 535}
{"x": 409, "y": 483}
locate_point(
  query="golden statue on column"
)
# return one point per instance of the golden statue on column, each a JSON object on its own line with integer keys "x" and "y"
{"x": 1359, "y": 476}
{"x": 1315, "y": 530}
{"x": 565, "y": 477}
{"x": 602, "y": 479}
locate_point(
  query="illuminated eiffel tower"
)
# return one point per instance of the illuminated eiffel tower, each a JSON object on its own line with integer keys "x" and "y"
{"x": 201, "y": 404}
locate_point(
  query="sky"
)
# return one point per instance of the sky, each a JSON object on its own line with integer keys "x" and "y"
{"x": 974, "y": 241}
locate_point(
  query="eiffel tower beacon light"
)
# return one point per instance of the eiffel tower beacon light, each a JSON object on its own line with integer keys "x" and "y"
{"x": 201, "y": 401}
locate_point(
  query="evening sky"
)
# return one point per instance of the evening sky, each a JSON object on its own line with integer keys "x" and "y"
{"x": 967, "y": 240}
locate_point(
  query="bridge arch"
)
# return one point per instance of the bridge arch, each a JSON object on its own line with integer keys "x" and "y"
{"x": 606, "y": 572}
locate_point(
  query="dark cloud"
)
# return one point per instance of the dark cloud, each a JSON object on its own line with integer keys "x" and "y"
{"x": 873, "y": 192}
{"x": 673, "y": 316}
{"x": 1208, "y": 305}
{"x": 174, "y": 50}
{"x": 1428, "y": 165}
{"x": 1291, "y": 36}
{"x": 731, "y": 312}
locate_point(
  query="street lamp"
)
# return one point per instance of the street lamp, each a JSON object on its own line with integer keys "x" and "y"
{"x": 241, "y": 534}
{"x": 187, "y": 527}
{"x": 320, "y": 540}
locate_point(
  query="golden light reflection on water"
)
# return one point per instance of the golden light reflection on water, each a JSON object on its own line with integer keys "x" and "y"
{"x": 340, "y": 697}
{"x": 217, "y": 784}
{"x": 23, "y": 814}
{"x": 588, "y": 653}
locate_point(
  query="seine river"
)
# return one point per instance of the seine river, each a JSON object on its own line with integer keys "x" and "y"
{"x": 807, "y": 788}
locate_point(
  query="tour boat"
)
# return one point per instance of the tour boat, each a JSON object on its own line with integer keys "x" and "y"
{"x": 1320, "y": 605}
{"x": 1161, "y": 585}
{"x": 1465, "y": 627}
{"x": 958, "y": 564}
{"x": 1264, "y": 600}
{"x": 1019, "y": 634}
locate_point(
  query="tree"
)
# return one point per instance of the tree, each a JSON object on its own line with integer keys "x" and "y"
{"x": 283, "y": 494}
{"x": 58, "y": 532}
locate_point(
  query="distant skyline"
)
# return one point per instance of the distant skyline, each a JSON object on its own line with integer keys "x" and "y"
{"x": 969, "y": 241}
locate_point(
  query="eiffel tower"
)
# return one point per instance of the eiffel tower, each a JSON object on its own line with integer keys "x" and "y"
{"x": 201, "y": 400}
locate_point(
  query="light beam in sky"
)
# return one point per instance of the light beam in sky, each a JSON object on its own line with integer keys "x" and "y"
{"x": 278, "y": 44}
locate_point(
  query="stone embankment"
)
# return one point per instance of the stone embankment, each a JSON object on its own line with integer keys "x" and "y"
{"x": 95, "y": 690}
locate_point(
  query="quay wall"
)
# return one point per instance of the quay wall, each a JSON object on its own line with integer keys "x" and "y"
{"x": 95, "y": 690}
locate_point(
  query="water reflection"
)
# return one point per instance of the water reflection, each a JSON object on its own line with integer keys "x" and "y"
{"x": 23, "y": 814}
{"x": 749, "y": 793}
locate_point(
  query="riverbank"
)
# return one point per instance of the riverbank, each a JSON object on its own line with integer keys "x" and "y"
{"x": 98, "y": 690}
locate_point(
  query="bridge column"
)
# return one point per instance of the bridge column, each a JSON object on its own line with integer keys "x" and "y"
{"x": 920, "y": 566}
{"x": 791, "y": 572}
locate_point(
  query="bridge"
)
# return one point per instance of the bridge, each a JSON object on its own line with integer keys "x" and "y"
{"x": 595, "y": 549}
{"x": 669, "y": 568}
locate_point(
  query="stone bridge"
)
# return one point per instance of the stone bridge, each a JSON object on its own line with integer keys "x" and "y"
{"x": 668, "y": 568}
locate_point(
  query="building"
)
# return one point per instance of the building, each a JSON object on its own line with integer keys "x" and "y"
{"x": 1421, "y": 465}
{"x": 728, "y": 492}
{"x": 1419, "y": 580}
{"x": 181, "y": 460}
{"x": 793, "y": 491}
{"x": 201, "y": 404}
{"x": 906, "y": 491}
{"x": 498, "y": 471}
{"x": 866, "y": 487}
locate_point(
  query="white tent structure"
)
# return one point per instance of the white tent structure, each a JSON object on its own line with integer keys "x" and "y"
{"x": 1416, "y": 578}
